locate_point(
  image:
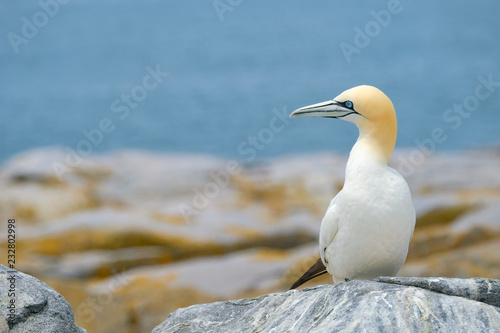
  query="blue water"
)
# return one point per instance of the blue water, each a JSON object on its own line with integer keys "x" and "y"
{"x": 226, "y": 76}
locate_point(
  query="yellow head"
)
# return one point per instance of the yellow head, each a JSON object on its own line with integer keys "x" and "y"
{"x": 369, "y": 109}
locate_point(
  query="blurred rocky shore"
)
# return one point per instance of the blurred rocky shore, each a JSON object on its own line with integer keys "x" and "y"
{"x": 130, "y": 236}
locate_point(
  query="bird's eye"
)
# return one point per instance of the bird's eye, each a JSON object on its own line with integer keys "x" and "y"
{"x": 348, "y": 104}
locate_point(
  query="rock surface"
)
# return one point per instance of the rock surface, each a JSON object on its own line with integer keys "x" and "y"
{"x": 38, "y": 308}
{"x": 386, "y": 305}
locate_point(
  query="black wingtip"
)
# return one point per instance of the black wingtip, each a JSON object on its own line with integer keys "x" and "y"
{"x": 316, "y": 270}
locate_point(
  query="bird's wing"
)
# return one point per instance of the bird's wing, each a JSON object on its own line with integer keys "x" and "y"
{"x": 329, "y": 227}
{"x": 316, "y": 270}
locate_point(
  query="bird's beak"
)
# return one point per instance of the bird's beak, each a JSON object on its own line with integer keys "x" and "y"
{"x": 329, "y": 109}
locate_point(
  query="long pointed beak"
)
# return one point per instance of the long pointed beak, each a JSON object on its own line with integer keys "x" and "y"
{"x": 329, "y": 109}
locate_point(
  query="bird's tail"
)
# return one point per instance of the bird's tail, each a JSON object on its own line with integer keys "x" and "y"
{"x": 316, "y": 270}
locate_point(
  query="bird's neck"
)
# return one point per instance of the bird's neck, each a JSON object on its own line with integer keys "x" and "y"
{"x": 372, "y": 149}
{"x": 376, "y": 139}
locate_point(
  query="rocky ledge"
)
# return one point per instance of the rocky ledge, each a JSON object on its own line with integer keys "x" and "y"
{"x": 388, "y": 304}
{"x": 36, "y": 307}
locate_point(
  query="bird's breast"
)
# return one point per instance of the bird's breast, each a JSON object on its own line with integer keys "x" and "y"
{"x": 374, "y": 220}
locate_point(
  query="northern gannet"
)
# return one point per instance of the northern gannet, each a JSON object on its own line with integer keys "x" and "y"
{"x": 368, "y": 225}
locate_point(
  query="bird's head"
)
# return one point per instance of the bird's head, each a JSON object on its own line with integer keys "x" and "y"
{"x": 365, "y": 106}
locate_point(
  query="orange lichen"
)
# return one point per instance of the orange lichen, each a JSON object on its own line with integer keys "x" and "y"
{"x": 245, "y": 233}
{"x": 270, "y": 255}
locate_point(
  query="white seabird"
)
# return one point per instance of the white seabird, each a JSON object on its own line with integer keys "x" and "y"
{"x": 367, "y": 228}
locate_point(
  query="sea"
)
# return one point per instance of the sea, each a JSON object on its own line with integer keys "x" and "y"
{"x": 220, "y": 77}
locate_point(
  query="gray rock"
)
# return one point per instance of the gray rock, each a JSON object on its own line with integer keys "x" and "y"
{"x": 476, "y": 289}
{"x": 38, "y": 308}
{"x": 395, "y": 305}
